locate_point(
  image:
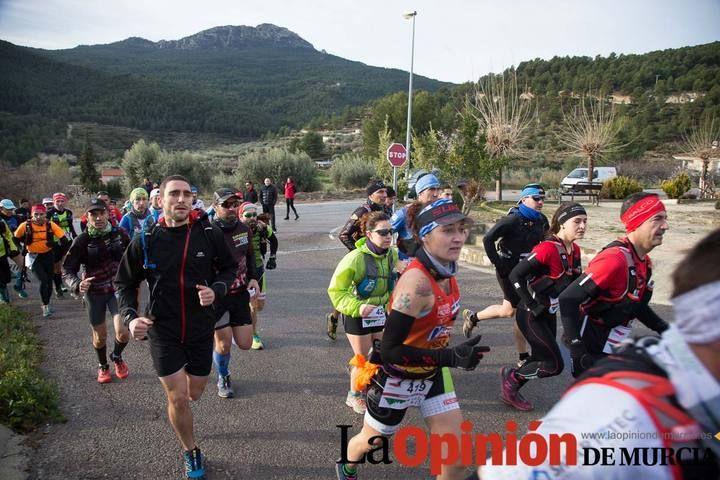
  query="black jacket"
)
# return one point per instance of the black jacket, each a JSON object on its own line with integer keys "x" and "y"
{"x": 250, "y": 196}
{"x": 351, "y": 231}
{"x": 518, "y": 235}
{"x": 268, "y": 195}
{"x": 101, "y": 257}
{"x": 177, "y": 260}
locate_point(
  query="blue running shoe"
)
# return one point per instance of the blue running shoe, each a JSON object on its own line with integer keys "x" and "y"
{"x": 194, "y": 464}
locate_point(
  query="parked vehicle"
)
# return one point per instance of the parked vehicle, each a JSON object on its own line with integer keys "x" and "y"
{"x": 580, "y": 175}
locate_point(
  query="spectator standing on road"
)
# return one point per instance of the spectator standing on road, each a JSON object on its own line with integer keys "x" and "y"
{"x": 415, "y": 353}
{"x": 187, "y": 265}
{"x": 250, "y": 194}
{"x": 39, "y": 237}
{"x": 268, "y": 199}
{"x": 351, "y": 232}
{"x": 651, "y": 394}
{"x": 138, "y": 219}
{"x": 516, "y": 234}
{"x": 598, "y": 308}
{"x": 262, "y": 235}
{"x": 234, "y": 319}
{"x": 64, "y": 218}
{"x": 539, "y": 280}
{"x": 148, "y": 186}
{"x": 360, "y": 289}
{"x": 290, "y": 198}
{"x": 99, "y": 249}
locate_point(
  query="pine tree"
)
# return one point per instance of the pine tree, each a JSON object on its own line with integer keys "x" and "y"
{"x": 89, "y": 176}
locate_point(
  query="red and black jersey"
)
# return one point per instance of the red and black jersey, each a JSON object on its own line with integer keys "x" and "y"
{"x": 620, "y": 275}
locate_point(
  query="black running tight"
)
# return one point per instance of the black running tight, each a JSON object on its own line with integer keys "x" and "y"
{"x": 545, "y": 358}
{"x": 44, "y": 267}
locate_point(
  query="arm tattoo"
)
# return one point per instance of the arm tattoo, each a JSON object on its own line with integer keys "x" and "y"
{"x": 424, "y": 289}
{"x": 403, "y": 302}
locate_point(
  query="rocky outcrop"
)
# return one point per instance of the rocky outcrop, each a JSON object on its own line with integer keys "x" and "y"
{"x": 229, "y": 37}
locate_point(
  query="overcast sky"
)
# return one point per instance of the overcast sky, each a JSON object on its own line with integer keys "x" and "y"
{"x": 455, "y": 40}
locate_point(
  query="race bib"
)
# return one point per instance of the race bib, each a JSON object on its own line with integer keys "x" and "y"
{"x": 616, "y": 337}
{"x": 376, "y": 318}
{"x": 399, "y": 394}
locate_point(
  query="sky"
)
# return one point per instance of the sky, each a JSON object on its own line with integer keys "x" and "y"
{"x": 455, "y": 40}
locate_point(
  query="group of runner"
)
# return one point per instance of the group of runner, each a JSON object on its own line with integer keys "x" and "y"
{"x": 398, "y": 311}
{"x": 397, "y": 304}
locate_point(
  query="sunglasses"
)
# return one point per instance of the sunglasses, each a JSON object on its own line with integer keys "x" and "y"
{"x": 538, "y": 198}
{"x": 249, "y": 215}
{"x": 384, "y": 232}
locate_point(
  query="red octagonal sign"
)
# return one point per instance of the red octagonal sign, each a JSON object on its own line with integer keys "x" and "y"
{"x": 397, "y": 154}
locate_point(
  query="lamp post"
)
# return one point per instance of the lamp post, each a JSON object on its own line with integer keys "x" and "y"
{"x": 408, "y": 16}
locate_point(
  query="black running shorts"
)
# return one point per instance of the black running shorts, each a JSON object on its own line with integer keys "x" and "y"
{"x": 233, "y": 310}
{"x": 169, "y": 356}
{"x": 509, "y": 292}
{"x": 354, "y": 326}
{"x": 97, "y": 304}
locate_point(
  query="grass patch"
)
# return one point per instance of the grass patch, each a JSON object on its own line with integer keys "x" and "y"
{"x": 27, "y": 398}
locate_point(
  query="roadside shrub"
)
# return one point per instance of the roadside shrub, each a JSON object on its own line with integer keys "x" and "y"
{"x": 277, "y": 164}
{"x": 187, "y": 164}
{"x": 620, "y": 187}
{"x": 27, "y": 399}
{"x": 351, "y": 171}
{"x": 676, "y": 187}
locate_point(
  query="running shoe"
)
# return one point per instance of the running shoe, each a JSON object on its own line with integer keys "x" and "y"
{"x": 225, "y": 389}
{"x": 468, "y": 322}
{"x": 47, "y": 312}
{"x": 509, "y": 391}
{"x": 331, "y": 326}
{"x": 121, "y": 368}
{"x": 257, "y": 343}
{"x": 104, "y": 374}
{"x": 356, "y": 401}
{"x": 341, "y": 475}
{"x": 20, "y": 291}
{"x": 194, "y": 464}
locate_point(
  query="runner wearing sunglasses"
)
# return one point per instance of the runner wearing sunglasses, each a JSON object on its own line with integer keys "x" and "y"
{"x": 360, "y": 289}
{"x": 262, "y": 235}
{"x": 415, "y": 353}
{"x": 516, "y": 234}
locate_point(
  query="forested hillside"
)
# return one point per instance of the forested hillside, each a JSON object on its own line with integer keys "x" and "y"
{"x": 237, "y": 81}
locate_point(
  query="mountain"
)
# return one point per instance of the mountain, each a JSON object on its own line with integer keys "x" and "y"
{"x": 232, "y": 80}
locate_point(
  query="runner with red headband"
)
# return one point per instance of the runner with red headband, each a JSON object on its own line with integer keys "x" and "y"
{"x": 598, "y": 308}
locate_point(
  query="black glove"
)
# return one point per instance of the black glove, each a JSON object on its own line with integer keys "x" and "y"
{"x": 536, "y": 309}
{"x": 581, "y": 359}
{"x": 271, "y": 263}
{"x": 468, "y": 354}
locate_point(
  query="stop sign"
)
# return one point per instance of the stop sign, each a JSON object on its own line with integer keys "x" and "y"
{"x": 397, "y": 154}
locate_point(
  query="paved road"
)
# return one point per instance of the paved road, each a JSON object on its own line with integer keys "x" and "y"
{"x": 290, "y": 396}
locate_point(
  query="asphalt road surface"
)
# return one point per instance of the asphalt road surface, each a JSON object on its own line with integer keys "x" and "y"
{"x": 290, "y": 396}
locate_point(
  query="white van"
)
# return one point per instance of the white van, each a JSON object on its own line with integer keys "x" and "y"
{"x": 600, "y": 174}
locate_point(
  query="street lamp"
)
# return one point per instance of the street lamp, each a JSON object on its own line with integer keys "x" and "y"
{"x": 408, "y": 16}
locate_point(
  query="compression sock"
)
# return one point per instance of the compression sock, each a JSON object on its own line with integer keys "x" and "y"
{"x": 349, "y": 471}
{"x": 102, "y": 355}
{"x": 118, "y": 348}
{"x": 222, "y": 363}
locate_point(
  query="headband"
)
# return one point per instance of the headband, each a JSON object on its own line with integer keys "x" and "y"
{"x": 696, "y": 314}
{"x": 58, "y": 196}
{"x": 531, "y": 190}
{"x": 641, "y": 211}
{"x": 39, "y": 208}
{"x": 569, "y": 212}
{"x": 440, "y": 212}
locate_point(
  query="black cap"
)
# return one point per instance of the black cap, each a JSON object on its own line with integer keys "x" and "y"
{"x": 95, "y": 204}
{"x": 225, "y": 194}
{"x": 374, "y": 187}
